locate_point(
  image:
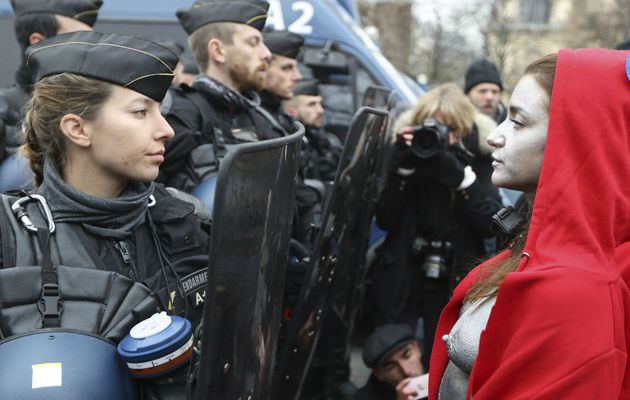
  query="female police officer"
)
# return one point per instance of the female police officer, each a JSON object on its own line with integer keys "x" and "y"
{"x": 110, "y": 247}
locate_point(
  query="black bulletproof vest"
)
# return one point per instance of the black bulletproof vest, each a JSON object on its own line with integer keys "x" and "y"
{"x": 102, "y": 291}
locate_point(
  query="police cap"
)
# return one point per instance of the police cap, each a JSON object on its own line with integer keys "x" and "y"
{"x": 247, "y": 12}
{"x": 134, "y": 63}
{"x": 384, "y": 341}
{"x": 308, "y": 87}
{"x": 85, "y": 11}
{"x": 283, "y": 43}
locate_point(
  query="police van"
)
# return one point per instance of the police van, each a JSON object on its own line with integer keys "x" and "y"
{"x": 337, "y": 51}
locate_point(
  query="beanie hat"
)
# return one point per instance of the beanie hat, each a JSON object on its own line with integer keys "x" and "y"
{"x": 482, "y": 71}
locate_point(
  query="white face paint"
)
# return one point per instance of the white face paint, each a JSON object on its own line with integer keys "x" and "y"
{"x": 520, "y": 140}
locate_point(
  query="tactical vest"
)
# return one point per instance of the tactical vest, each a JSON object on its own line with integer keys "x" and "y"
{"x": 12, "y": 102}
{"x": 215, "y": 137}
{"x": 95, "y": 284}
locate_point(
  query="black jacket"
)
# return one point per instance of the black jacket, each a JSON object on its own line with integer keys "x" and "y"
{"x": 12, "y": 102}
{"x": 88, "y": 264}
{"x": 321, "y": 153}
{"x": 273, "y": 105}
{"x": 375, "y": 390}
{"x": 212, "y": 115}
{"x": 411, "y": 208}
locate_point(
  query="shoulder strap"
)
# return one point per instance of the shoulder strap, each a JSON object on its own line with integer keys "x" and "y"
{"x": 211, "y": 125}
{"x": 8, "y": 250}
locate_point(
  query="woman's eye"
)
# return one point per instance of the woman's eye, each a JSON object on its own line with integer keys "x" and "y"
{"x": 515, "y": 122}
{"x": 140, "y": 113}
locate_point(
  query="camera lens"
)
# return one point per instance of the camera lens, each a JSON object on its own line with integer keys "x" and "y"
{"x": 428, "y": 140}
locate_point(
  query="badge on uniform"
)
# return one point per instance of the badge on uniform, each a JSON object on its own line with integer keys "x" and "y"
{"x": 194, "y": 287}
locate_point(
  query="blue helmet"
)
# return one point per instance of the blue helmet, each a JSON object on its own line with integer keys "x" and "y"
{"x": 63, "y": 364}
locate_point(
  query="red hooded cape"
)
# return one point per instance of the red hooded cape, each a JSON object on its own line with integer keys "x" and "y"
{"x": 560, "y": 328}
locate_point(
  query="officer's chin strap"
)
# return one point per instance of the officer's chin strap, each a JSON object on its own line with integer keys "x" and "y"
{"x": 50, "y": 304}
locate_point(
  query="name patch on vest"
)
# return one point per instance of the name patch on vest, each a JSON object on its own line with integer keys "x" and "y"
{"x": 194, "y": 286}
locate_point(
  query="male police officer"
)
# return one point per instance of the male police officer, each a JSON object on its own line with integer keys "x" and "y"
{"x": 36, "y": 20}
{"x": 483, "y": 86}
{"x": 222, "y": 107}
{"x": 323, "y": 149}
{"x": 283, "y": 74}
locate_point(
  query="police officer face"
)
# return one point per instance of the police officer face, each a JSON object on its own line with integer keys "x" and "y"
{"x": 403, "y": 363}
{"x": 485, "y": 96}
{"x": 310, "y": 110}
{"x": 126, "y": 141}
{"x": 520, "y": 140}
{"x": 282, "y": 76}
{"x": 247, "y": 58}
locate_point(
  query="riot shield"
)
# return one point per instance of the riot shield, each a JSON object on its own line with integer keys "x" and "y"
{"x": 332, "y": 270}
{"x": 378, "y": 97}
{"x": 255, "y": 193}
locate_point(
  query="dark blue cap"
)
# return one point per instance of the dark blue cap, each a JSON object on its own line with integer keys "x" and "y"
{"x": 85, "y": 11}
{"x": 137, "y": 64}
{"x": 247, "y": 12}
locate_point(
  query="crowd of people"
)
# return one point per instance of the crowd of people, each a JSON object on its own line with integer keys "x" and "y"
{"x": 110, "y": 231}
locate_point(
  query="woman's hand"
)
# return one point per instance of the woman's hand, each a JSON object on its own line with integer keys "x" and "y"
{"x": 405, "y": 136}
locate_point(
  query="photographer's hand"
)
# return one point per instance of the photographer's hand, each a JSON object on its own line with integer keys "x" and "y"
{"x": 402, "y": 160}
{"x": 449, "y": 170}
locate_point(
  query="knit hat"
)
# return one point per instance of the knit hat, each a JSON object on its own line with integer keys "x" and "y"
{"x": 482, "y": 71}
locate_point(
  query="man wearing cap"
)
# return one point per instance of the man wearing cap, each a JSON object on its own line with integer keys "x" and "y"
{"x": 483, "y": 86}
{"x": 283, "y": 74}
{"x": 393, "y": 355}
{"x": 323, "y": 149}
{"x": 222, "y": 106}
{"x": 36, "y": 20}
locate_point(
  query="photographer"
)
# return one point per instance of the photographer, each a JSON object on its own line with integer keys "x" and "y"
{"x": 436, "y": 210}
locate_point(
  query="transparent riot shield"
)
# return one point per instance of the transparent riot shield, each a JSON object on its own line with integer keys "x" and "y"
{"x": 255, "y": 193}
{"x": 329, "y": 286}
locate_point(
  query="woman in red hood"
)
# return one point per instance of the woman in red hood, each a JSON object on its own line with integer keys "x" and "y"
{"x": 550, "y": 317}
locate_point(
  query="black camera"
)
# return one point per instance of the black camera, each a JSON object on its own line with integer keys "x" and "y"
{"x": 437, "y": 257}
{"x": 429, "y": 138}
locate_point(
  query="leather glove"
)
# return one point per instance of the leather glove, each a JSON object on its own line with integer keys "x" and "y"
{"x": 401, "y": 157}
{"x": 444, "y": 167}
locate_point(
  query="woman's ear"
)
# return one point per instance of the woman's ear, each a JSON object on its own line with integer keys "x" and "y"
{"x": 73, "y": 128}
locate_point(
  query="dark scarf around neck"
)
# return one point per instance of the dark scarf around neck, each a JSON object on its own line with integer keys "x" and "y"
{"x": 230, "y": 98}
{"x": 113, "y": 218}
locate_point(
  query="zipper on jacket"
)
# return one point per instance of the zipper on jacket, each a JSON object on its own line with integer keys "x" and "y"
{"x": 123, "y": 250}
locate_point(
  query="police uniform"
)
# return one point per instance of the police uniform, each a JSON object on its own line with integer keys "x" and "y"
{"x": 208, "y": 116}
{"x": 14, "y": 98}
{"x": 322, "y": 150}
{"x": 287, "y": 44}
{"x": 107, "y": 263}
